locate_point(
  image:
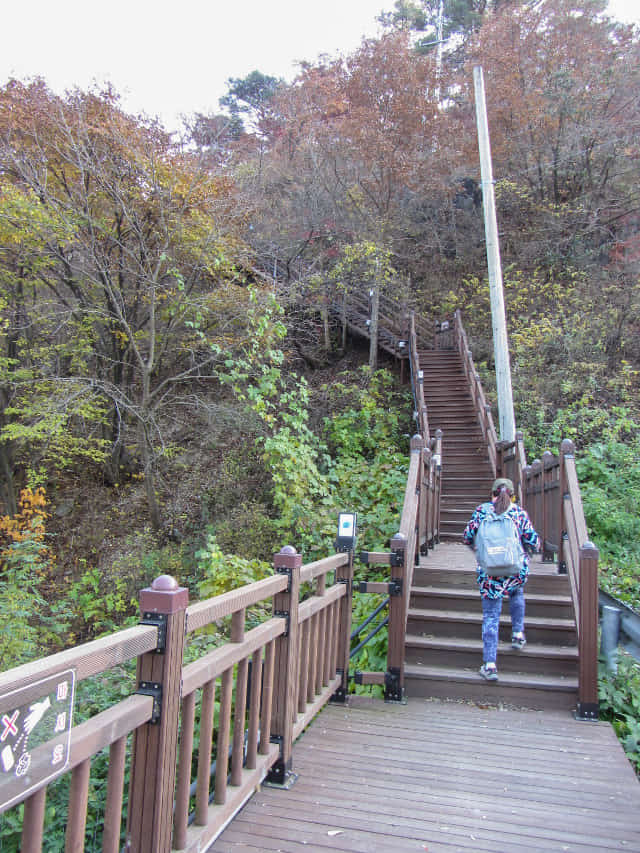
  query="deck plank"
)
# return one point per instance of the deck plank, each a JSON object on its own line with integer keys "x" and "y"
{"x": 444, "y": 777}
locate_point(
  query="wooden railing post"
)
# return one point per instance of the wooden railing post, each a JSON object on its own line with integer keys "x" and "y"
{"x": 153, "y": 765}
{"x": 566, "y": 449}
{"x": 437, "y": 462}
{"x": 518, "y": 450}
{"x": 535, "y": 508}
{"x": 394, "y": 676}
{"x": 344, "y": 575}
{"x": 587, "y": 708}
{"x": 546, "y": 527}
{"x": 285, "y": 604}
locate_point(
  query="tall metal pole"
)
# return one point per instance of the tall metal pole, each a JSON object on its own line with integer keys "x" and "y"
{"x": 498, "y": 318}
{"x": 439, "y": 31}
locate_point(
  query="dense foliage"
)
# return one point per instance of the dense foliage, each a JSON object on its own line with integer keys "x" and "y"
{"x": 177, "y": 391}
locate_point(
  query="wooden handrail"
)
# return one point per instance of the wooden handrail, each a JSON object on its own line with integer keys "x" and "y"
{"x": 551, "y": 496}
{"x": 86, "y": 660}
{"x": 417, "y": 382}
{"x": 483, "y": 410}
{"x": 297, "y": 662}
{"x": 549, "y": 490}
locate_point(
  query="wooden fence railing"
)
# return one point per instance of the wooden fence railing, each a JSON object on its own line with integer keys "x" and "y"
{"x": 419, "y": 531}
{"x": 244, "y": 703}
{"x": 549, "y": 491}
{"x": 483, "y": 409}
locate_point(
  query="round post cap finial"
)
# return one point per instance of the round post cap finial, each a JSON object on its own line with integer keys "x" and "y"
{"x": 164, "y": 583}
{"x": 287, "y": 558}
{"x": 164, "y": 595}
{"x": 567, "y": 447}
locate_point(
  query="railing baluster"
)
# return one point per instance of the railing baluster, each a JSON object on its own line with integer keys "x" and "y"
{"x": 321, "y": 640}
{"x": 304, "y": 665}
{"x": 267, "y": 698}
{"x": 33, "y": 822}
{"x": 78, "y": 801}
{"x": 328, "y": 646}
{"x": 115, "y": 790}
{"x": 313, "y": 657}
{"x": 254, "y": 709}
{"x": 205, "y": 745}
{"x": 239, "y": 719}
{"x": 181, "y": 819}
{"x": 240, "y": 711}
{"x": 222, "y": 743}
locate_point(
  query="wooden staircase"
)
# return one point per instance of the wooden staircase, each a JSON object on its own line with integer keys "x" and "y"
{"x": 443, "y": 643}
{"x": 466, "y": 470}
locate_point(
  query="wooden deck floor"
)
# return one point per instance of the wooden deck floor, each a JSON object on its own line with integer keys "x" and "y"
{"x": 443, "y": 777}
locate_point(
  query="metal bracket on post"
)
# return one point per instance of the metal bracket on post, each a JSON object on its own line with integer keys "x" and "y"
{"x": 151, "y": 688}
{"x": 392, "y": 690}
{"x": 587, "y": 712}
{"x": 159, "y": 621}
{"x": 562, "y": 565}
{"x": 340, "y": 695}
{"x": 280, "y": 775}
{"x": 283, "y": 614}
{"x": 396, "y": 559}
{"x": 350, "y": 585}
{"x": 285, "y": 570}
{"x": 395, "y": 586}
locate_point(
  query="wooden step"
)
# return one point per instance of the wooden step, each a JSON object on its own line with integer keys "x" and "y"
{"x": 543, "y": 577}
{"x": 452, "y": 623}
{"x": 466, "y": 653}
{"x": 537, "y": 692}
{"x": 461, "y": 598}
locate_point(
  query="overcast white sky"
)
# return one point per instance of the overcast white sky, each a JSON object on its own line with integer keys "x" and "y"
{"x": 171, "y": 58}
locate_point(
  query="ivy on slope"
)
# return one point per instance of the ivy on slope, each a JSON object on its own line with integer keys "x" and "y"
{"x": 609, "y": 474}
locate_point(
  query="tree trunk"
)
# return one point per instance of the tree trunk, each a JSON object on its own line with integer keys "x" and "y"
{"x": 7, "y": 485}
{"x": 373, "y": 328}
{"x": 149, "y": 476}
{"x": 344, "y": 321}
{"x": 325, "y": 321}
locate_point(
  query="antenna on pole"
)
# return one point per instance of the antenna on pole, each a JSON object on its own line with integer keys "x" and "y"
{"x": 498, "y": 318}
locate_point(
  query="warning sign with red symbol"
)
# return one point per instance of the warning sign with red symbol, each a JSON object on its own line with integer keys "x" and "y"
{"x": 35, "y": 735}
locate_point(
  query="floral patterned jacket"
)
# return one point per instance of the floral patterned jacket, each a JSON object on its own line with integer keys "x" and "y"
{"x": 491, "y": 587}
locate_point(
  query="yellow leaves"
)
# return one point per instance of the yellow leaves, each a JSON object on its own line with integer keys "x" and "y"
{"x": 28, "y": 521}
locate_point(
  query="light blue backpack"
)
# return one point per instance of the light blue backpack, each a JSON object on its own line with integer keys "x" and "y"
{"x": 498, "y": 548}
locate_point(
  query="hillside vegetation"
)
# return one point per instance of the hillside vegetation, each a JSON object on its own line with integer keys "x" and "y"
{"x": 170, "y": 334}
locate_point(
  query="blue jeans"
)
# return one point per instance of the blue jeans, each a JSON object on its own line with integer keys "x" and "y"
{"x": 491, "y": 608}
